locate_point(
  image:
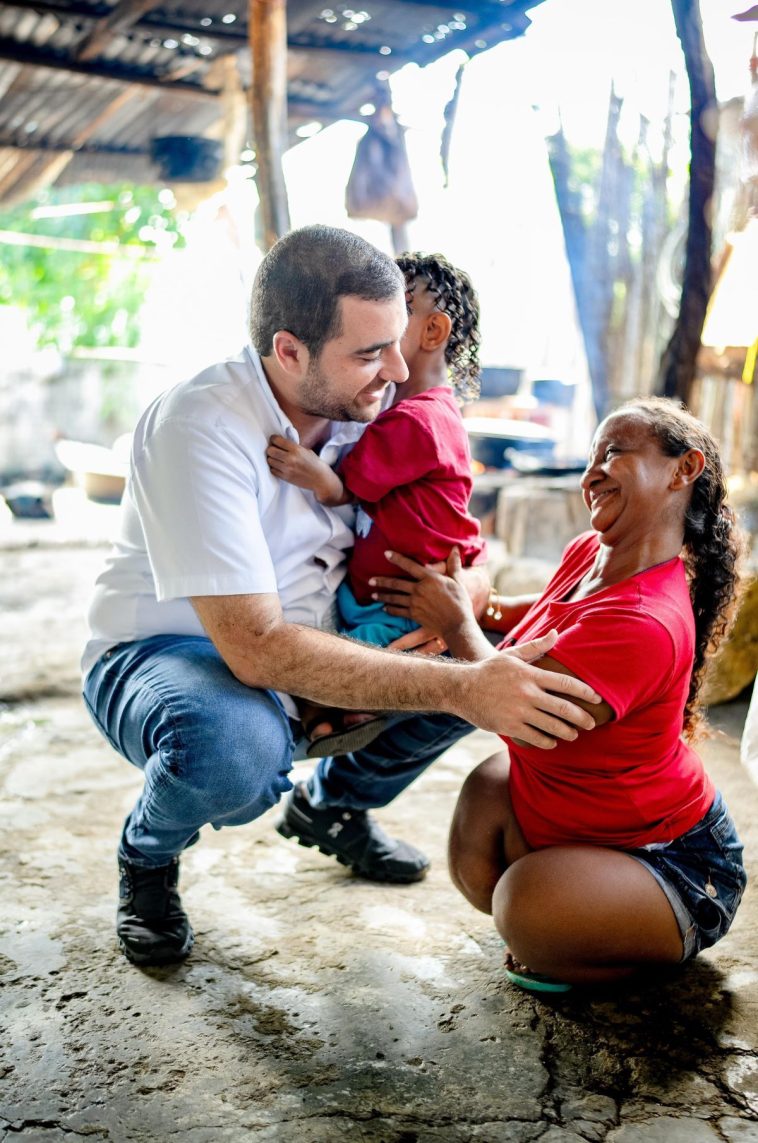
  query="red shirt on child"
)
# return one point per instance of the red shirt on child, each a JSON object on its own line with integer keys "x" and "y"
{"x": 411, "y": 473}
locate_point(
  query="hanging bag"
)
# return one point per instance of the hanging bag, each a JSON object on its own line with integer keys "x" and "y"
{"x": 380, "y": 184}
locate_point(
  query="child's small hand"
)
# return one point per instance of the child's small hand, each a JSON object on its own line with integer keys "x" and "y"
{"x": 300, "y": 466}
{"x": 291, "y": 462}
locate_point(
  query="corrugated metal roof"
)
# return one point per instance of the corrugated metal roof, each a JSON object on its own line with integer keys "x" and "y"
{"x": 86, "y": 85}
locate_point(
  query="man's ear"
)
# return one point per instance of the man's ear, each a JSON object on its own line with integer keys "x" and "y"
{"x": 689, "y": 467}
{"x": 436, "y": 331}
{"x": 290, "y": 353}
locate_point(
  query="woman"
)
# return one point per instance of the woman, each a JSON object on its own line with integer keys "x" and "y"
{"x": 613, "y": 851}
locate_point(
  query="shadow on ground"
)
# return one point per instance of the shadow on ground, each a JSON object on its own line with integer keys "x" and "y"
{"x": 315, "y": 1007}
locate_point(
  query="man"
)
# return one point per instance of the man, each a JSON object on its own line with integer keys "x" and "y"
{"x": 217, "y": 601}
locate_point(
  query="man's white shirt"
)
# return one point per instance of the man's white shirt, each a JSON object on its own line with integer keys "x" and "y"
{"x": 203, "y": 515}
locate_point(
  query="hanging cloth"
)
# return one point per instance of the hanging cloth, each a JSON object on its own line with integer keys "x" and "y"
{"x": 380, "y": 185}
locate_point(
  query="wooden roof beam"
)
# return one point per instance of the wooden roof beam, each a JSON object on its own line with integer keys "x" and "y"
{"x": 46, "y": 168}
{"x": 297, "y": 105}
{"x": 484, "y": 9}
{"x": 38, "y": 57}
{"x": 47, "y": 146}
{"x": 229, "y": 37}
{"x": 141, "y": 17}
{"x": 122, "y": 16}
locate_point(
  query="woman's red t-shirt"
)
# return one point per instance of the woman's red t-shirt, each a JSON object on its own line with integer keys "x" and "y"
{"x": 633, "y": 781}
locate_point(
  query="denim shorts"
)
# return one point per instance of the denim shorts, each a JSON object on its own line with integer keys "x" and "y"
{"x": 702, "y": 875}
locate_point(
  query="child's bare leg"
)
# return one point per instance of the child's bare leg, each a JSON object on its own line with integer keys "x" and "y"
{"x": 485, "y": 837}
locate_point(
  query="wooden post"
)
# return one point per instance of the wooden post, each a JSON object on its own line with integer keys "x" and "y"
{"x": 268, "y": 44}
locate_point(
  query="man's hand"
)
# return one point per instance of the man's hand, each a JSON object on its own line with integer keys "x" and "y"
{"x": 298, "y": 465}
{"x": 533, "y": 649}
{"x": 533, "y": 705}
{"x": 535, "y": 652}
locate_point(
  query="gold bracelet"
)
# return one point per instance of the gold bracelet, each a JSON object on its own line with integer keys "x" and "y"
{"x": 493, "y": 605}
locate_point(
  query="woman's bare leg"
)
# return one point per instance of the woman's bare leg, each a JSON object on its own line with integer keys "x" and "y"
{"x": 484, "y": 835}
{"x": 585, "y": 914}
{"x": 577, "y": 913}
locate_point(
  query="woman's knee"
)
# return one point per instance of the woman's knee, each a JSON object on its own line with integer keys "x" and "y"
{"x": 522, "y": 912}
{"x": 483, "y": 788}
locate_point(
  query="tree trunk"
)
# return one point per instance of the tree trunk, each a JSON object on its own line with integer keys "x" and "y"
{"x": 654, "y": 231}
{"x": 572, "y": 222}
{"x": 677, "y": 367}
{"x": 605, "y": 239}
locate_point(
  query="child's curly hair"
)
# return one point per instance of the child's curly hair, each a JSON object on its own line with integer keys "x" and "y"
{"x": 456, "y": 297}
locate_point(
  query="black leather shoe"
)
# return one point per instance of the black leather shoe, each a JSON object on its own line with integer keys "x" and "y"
{"x": 354, "y": 838}
{"x": 152, "y": 926}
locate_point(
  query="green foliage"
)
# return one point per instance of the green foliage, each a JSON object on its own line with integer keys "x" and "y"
{"x": 86, "y": 296}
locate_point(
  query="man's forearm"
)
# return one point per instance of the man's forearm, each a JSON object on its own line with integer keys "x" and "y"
{"x": 499, "y": 693}
{"x": 337, "y": 671}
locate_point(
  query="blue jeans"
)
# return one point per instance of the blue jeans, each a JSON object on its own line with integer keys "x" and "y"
{"x": 214, "y": 751}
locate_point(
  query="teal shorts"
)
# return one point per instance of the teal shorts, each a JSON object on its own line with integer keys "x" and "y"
{"x": 369, "y": 622}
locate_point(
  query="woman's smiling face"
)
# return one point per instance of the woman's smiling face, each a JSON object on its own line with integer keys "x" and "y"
{"x": 626, "y": 479}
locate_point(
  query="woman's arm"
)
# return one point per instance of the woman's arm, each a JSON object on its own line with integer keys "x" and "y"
{"x": 495, "y": 612}
{"x": 441, "y": 605}
{"x": 503, "y": 612}
{"x": 438, "y": 601}
{"x": 602, "y": 712}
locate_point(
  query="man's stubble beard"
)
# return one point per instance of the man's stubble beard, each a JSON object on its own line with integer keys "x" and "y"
{"x": 316, "y": 400}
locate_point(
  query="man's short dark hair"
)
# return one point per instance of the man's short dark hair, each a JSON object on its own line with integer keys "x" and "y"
{"x": 302, "y": 278}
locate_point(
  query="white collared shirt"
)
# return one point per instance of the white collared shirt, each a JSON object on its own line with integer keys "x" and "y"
{"x": 203, "y": 515}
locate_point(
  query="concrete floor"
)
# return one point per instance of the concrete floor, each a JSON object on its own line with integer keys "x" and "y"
{"x": 315, "y": 1008}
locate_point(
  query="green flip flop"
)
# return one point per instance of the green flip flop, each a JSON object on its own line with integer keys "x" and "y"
{"x": 534, "y": 982}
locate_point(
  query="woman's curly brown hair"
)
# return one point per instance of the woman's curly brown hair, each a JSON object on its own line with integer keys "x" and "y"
{"x": 456, "y": 297}
{"x": 713, "y": 542}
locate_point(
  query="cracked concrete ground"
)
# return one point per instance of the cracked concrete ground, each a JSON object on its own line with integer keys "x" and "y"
{"x": 316, "y": 1008}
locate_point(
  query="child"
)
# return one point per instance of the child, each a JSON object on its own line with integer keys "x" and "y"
{"x": 410, "y": 473}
